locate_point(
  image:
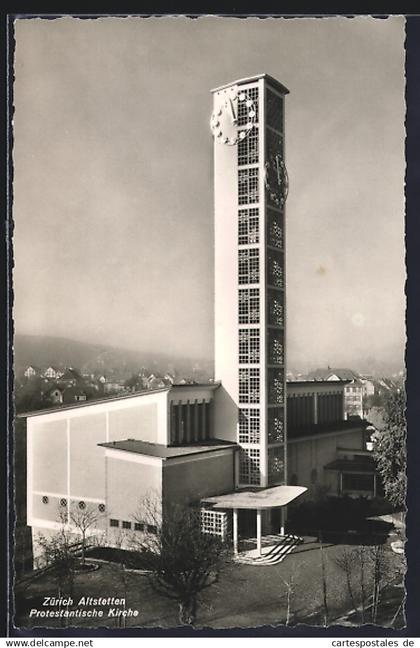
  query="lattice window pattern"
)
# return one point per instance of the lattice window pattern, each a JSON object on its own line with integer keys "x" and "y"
{"x": 248, "y": 186}
{"x": 275, "y": 387}
{"x": 249, "y": 466}
{"x": 275, "y": 347}
{"x": 275, "y": 425}
{"x": 249, "y": 425}
{"x": 249, "y": 385}
{"x": 275, "y": 229}
{"x": 248, "y": 226}
{"x": 249, "y": 306}
{"x": 249, "y": 266}
{"x": 276, "y": 464}
{"x": 213, "y": 522}
{"x": 251, "y": 94}
{"x": 275, "y": 308}
{"x": 249, "y": 346}
{"x": 248, "y": 148}
{"x": 275, "y": 270}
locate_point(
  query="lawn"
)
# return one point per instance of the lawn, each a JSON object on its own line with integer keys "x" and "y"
{"x": 244, "y": 596}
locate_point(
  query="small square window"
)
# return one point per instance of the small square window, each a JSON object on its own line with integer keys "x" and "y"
{"x": 114, "y": 523}
{"x": 126, "y": 524}
{"x": 138, "y": 526}
{"x": 151, "y": 528}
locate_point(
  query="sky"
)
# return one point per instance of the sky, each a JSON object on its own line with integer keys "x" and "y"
{"x": 113, "y": 195}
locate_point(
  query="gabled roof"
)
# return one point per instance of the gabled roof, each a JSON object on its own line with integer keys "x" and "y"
{"x": 342, "y": 374}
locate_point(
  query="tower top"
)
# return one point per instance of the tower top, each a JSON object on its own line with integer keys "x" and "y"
{"x": 271, "y": 80}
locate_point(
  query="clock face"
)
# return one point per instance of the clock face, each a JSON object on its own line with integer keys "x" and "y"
{"x": 233, "y": 117}
{"x": 276, "y": 179}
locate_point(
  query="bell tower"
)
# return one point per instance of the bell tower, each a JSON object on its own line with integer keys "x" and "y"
{"x": 250, "y": 190}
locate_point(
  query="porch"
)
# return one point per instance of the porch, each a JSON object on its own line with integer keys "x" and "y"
{"x": 263, "y": 501}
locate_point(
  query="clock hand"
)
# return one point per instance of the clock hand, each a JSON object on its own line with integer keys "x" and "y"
{"x": 232, "y": 110}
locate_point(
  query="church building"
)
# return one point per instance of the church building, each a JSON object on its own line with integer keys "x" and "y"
{"x": 247, "y": 442}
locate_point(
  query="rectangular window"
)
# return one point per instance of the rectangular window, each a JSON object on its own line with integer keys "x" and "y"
{"x": 248, "y": 147}
{"x": 275, "y": 386}
{"x": 275, "y": 229}
{"x": 249, "y": 266}
{"x": 126, "y": 524}
{"x": 248, "y": 186}
{"x": 213, "y": 522}
{"x": 249, "y": 466}
{"x": 248, "y": 226}
{"x": 249, "y": 346}
{"x": 249, "y": 385}
{"x": 249, "y": 306}
{"x": 275, "y": 269}
{"x": 249, "y": 425}
{"x": 251, "y": 94}
{"x": 276, "y": 465}
{"x": 138, "y": 526}
{"x": 275, "y": 308}
{"x": 114, "y": 523}
{"x": 275, "y": 347}
{"x": 151, "y": 528}
{"x": 358, "y": 482}
{"x": 275, "y": 425}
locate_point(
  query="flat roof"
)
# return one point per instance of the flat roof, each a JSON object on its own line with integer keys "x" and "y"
{"x": 359, "y": 465}
{"x": 121, "y": 397}
{"x": 271, "y": 80}
{"x": 318, "y": 429}
{"x": 167, "y": 452}
{"x": 317, "y": 382}
{"x": 265, "y": 498}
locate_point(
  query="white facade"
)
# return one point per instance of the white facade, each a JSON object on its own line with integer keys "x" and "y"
{"x": 249, "y": 190}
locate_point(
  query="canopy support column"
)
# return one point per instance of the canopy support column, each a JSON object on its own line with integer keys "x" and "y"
{"x": 259, "y": 532}
{"x": 283, "y": 519}
{"x": 235, "y": 531}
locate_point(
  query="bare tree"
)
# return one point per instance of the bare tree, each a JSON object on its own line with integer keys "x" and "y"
{"x": 290, "y": 587}
{"x": 84, "y": 517}
{"x": 376, "y": 555}
{"x": 324, "y": 585}
{"x": 181, "y": 560}
{"x": 58, "y": 551}
{"x": 347, "y": 561}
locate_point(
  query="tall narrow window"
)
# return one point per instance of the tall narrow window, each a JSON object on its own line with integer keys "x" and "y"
{"x": 249, "y": 306}
{"x": 249, "y": 266}
{"x": 249, "y": 385}
{"x": 248, "y": 226}
{"x": 249, "y": 346}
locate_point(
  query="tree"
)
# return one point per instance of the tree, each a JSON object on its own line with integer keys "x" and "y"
{"x": 390, "y": 450}
{"x": 181, "y": 560}
{"x": 83, "y": 517}
{"x": 58, "y": 551}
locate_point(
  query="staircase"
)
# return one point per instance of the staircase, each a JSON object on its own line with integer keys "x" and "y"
{"x": 278, "y": 548}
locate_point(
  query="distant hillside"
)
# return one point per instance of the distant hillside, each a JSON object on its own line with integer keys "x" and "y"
{"x": 42, "y": 351}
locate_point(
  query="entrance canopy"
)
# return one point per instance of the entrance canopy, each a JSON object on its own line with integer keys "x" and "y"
{"x": 266, "y": 498}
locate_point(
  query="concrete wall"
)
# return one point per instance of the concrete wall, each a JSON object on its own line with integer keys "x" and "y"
{"x": 131, "y": 478}
{"x": 64, "y": 459}
{"x": 314, "y": 453}
{"x": 191, "y": 478}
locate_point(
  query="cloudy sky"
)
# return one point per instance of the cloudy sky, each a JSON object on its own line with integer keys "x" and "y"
{"x": 113, "y": 179}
